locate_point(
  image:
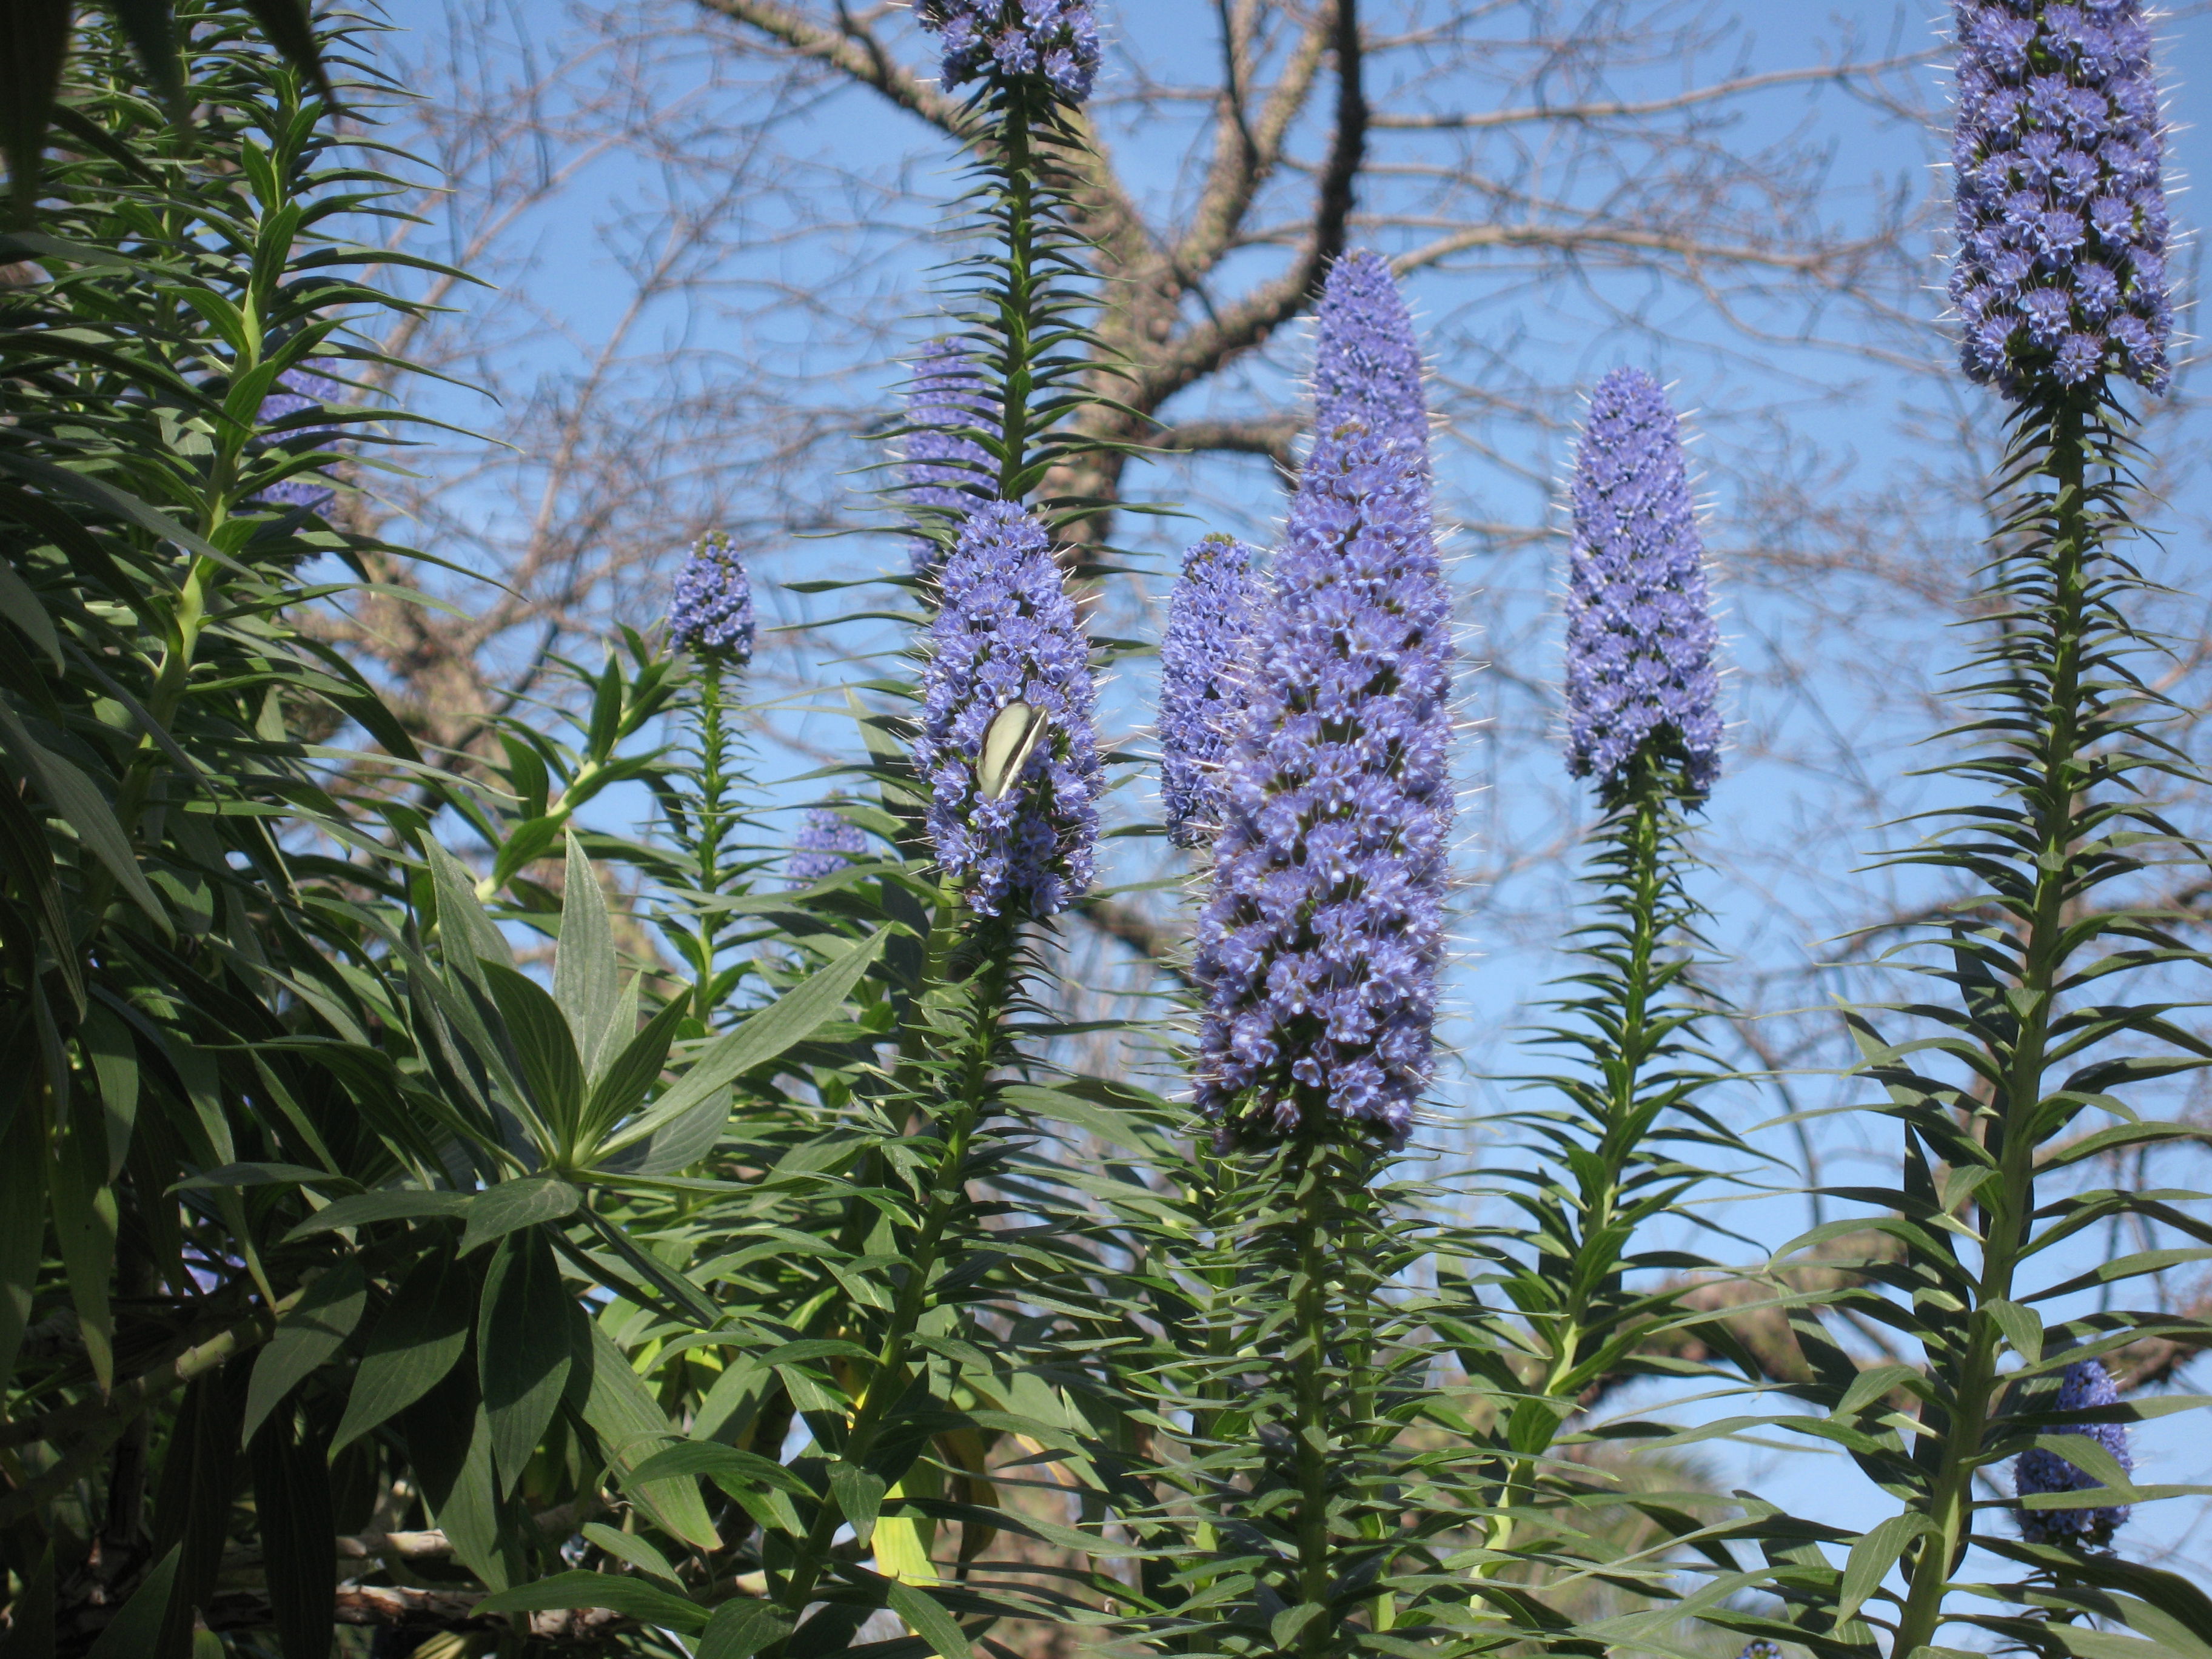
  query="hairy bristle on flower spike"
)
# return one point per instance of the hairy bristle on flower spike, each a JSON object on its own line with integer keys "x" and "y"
{"x": 942, "y": 472}
{"x": 1206, "y": 665}
{"x": 1054, "y": 40}
{"x": 2084, "y": 1385}
{"x": 2056, "y": 152}
{"x": 825, "y": 844}
{"x": 711, "y": 615}
{"x": 1008, "y": 742}
{"x": 1640, "y": 631}
{"x": 1318, "y": 945}
{"x": 297, "y": 391}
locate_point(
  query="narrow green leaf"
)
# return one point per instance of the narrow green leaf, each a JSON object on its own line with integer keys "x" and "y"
{"x": 20, "y": 606}
{"x": 551, "y": 1070}
{"x": 740, "y": 1629}
{"x": 84, "y": 1231}
{"x": 23, "y": 1227}
{"x": 584, "y": 978}
{"x": 415, "y": 1343}
{"x": 631, "y": 1424}
{"x": 789, "y": 1020}
{"x": 929, "y": 1621}
{"x": 132, "y": 1632}
{"x": 860, "y": 1495}
{"x": 72, "y": 798}
{"x": 2022, "y": 1329}
{"x": 391, "y": 1205}
{"x": 522, "y": 1350}
{"x": 306, "y": 1337}
{"x": 498, "y": 1211}
{"x": 1872, "y": 1558}
{"x": 292, "y": 1497}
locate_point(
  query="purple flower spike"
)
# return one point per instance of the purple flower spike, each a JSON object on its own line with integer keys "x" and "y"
{"x": 1319, "y": 944}
{"x": 1054, "y": 39}
{"x": 712, "y": 616}
{"x": 1206, "y": 665}
{"x": 2085, "y": 1384}
{"x": 824, "y": 845}
{"x": 1008, "y": 743}
{"x": 941, "y": 471}
{"x": 2062, "y": 223}
{"x": 1640, "y": 630}
{"x": 298, "y": 390}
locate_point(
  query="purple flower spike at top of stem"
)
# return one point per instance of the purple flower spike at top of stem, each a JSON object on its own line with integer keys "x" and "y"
{"x": 1056, "y": 39}
{"x": 1319, "y": 944}
{"x": 1206, "y": 665}
{"x": 1008, "y": 742}
{"x": 712, "y": 615}
{"x": 1640, "y": 630}
{"x": 940, "y": 470}
{"x": 1367, "y": 359}
{"x": 2084, "y": 1385}
{"x": 297, "y": 391}
{"x": 825, "y": 844}
{"x": 2057, "y": 153}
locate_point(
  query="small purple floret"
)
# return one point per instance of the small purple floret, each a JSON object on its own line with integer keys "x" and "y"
{"x": 1007, "y": 633}
{"x": 711, "y": 615}
{"x": 2062, "y": 224}
{"x": 2084, "y": 1385}
{"x": 825, "y": 844}
{"x": 1640, "y": 630}
{"x": 1319, "y": 945}
{"x": 943, "y": 473}
{"x": 1206, "y": 665}
{"x": 1056, "y": 40}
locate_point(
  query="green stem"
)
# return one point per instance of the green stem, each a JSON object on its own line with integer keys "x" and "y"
{"x": 1314, "y": 1173}
{"x": 1023, "y": 286}
{"x": 947, "y": 1195}
{"x": 712, "y": 818}
{"x": 2051, "y": 801}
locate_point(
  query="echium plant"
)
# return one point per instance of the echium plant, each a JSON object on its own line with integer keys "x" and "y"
{"x": 2038, "y": 1064}
{"x": 942, "y": 470}
{"x": 1205, "y": 667}
{"x": 1316, "y": 960}
{"x": 1619, "y": 1142}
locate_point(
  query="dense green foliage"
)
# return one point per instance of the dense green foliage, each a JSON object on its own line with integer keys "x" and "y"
{"x": 391, "y": 1237}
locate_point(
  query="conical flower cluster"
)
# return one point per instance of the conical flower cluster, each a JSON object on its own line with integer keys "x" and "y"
{"x": 1054, "y": 39}
{"x": 2085, "y": 1384}
{"x": 941, "y": 471}
{"x": 711, "y": 615}
{"x": 1640, "y": 630}
{"x": 1205, "y": 667}
{"x": 825, "y": 844}
{"x": 1008, "y": 743}
{"x": 2061, "y": 202}
{"x": 1319, "y": 944}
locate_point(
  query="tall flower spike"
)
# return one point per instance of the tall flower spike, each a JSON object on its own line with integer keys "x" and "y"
{"x": 298, "y": 390}
{"x": 1055, "y": 39}
{"x": 712, "y": 615}
{"x": 1640, "y": 630}
{"x": 940, "y": 470}
{"x": 1205, "y": 667}
{"x": 2084, "y": 1385}
{"x": 1318, "y": 946}
{"x": 1008, "y": 743}
{"x": 824, "y": 845}
{"x": 2060, "y": 272}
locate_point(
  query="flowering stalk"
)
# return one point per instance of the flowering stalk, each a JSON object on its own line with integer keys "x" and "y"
{"x": 1319, "y": 943}
{"x": 711, "y": 618}
{"x": 1644, "y": 721}
{"x": 825, "y": 844}
{"x": 2084, "y": 1386}
{"x": 2061, "y": 284}
{"x": 944, "y": 471}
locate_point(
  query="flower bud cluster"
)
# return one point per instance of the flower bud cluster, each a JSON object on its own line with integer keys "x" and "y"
{"x": 1206, "y": 665}
{"x": 825, "y": 844}
{"x": 941, "y": 470}
{"x": 1318, "y": 947}
{"x": 712, "y": 614}
{"x": 2062, "y": 225}
{"x": 1054, "y": 39}
{"x": 1006, "y": 642}
{"x": 1640, "y": 630}
{"x": 2084, "y": 1385}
